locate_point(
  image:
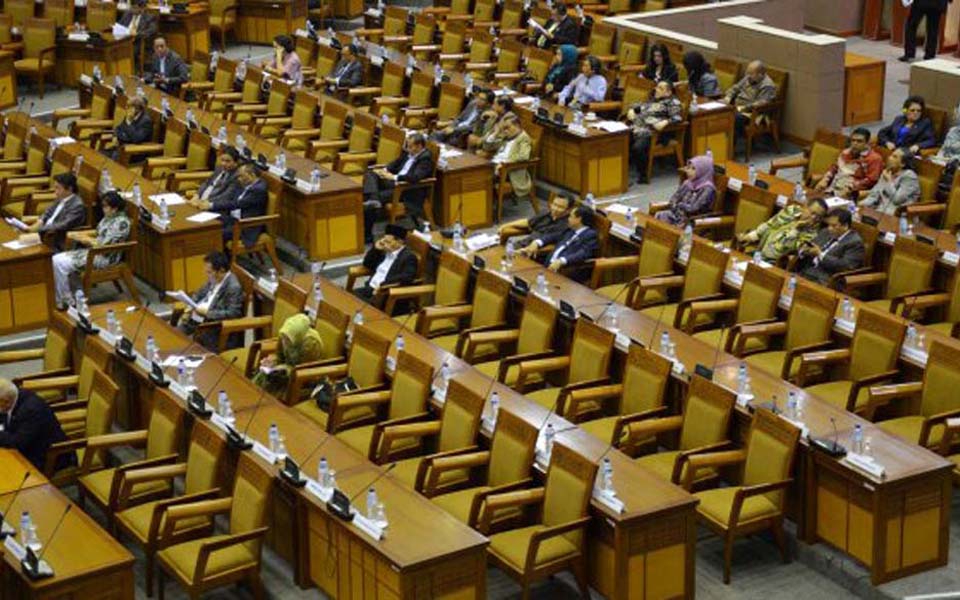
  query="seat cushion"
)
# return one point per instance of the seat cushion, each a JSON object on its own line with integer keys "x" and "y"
{"x": 240, "y": 354}
{"x": 771, "y": 361}
{"x": 602, "y": 429}
{"x": 136, "y": 521}
{"x": 458, "y": 503}
{"x": 715, "y": 505}
{"x": 182, "y": 558}
{"x": 357, "y": 438}
{"x": 546, "y": 398}
{"x": 836, "y": 393}
{"x": 714, "y": 339}
{"x": 98, "y": 485}
{"x": 310, "y": 409}
{"x": 32, "y": 65}
{"x": 406, "y": 471}
{"x": 908, "y": 428}
{"x": 511, "y": 547}
{"x": 662, "y": 463}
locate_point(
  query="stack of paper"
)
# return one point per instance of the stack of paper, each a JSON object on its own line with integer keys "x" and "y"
{"x": 481, "y": 241}
{"x": 203, "y": 217}
{"x": 172, "y": 199}
{"x": 611, "y": 126}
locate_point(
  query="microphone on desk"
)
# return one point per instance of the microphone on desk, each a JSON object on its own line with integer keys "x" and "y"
{"x": 339, "y": 504}
{"x": 157, "y": 376}
{"x": 612, "y": 302}
{"x": 238, "y": 441}
{"x": 702, "y": 370}
{"x": 656, "y": 326}
{"x": 31, "y": 563}
{"x": 830, "y": 446}
{"x": 197, "y": 402}
{"x": 290, "y": 472}
{"x": 125, "y": 345}
{"x": 7, "y": 530}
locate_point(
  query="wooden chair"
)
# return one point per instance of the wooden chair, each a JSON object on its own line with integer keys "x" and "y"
{"x": 537, "y": 63}
{"x": 869, "y": 234}
{"x": 765, "y": 119}
{"x": 414, "y": 109}
{"x": 60, "y": 11}
{"x": 450, "y": 289}
{"x": 479, "y": 61}
{"x": 505, "y": 467}
{"x": 405, "y": 402}
{"x": 294, "y": 132}
{"x": 174, "y": 145}
{"x": 199, "y": 81}
{"x": 97, "y": 116}
{"x": 217, "y": 100}
{"x": 288, "y": 300}
{"x": 266, "y": 240}
{"x": 142, "y": 522}
{"x": 187, "y": 172}
{"x": 601, "y": 42}
{"x": 508, "y": 68}
{"x": 278, "y": 98}
{"x": 55, "y": 356}
{"x": 31, "y": 195}
{"x": 668, "y": 141}
{"x": 909, "y": 272}
{"x": 703, "y": 426}
{"x": 207, "y": 563}
{"x": 775, "y": 346}
{"x": 728, "y": 72}
{"x": 331, "y": 140}
{"x": 251, "y": 96}
{"x": 630, "y": 52}
{"x": 943, "y": 215}
{"x": 55, "y": 386}
{"x": 504, "y": 189}
{"x": 455, "y": 432}
{"x": 101, "y": 15}
{"x": 701, "y": 281}
{"x": 754, "y": 206}
{"x": 923, "y": 407}
{"x": 20, "y": 11}
{"x": 487, "y": 312}
{"x": 849, "y": 372}
{"x": 655, "y": 259}
{"x": 816, "y": 159}
{"x": 944, "y": 304}
{"x": 533, "y": 339}
{"x": 396, "y": 208}
{"x": 118, "y": 269}
{"x": 757, "y": 504}
{"x": 422, "y": 41}
{"x": 39, "y": 51}
{"x": 393, "y": 34}
{"x": 555, "y": 541}
{"x": 449, "y": 105}
{"x": 388, "y": 97}
{"x": 223, "y": 19}
{"x": 512, "y": 20}
{"x": 420, "y": 247}
{"x": 14, "y": 200}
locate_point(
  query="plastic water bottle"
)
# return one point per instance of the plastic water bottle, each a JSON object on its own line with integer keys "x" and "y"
{"x": 222, "y": 402}
{"x": 694, "y": 106}
{"x": 535, "y": 105}
{"x": 106, "y": 182}
{"x": 468, "y": 82}
{"x": 214, "y": 59}
{"x": 182, "y": 372}
{"x": 273, "y": 437}
{"x": 857, "y": 439}
{"x": 799, "y": 194}
{"x": 606, "y": 475}
{"x": 164, "y": 210}
{"x": 847, "y": 310}
{"x": 80, "y": 302}
{"x": 542, "y": 283}
{"x": 317, "y": 293}
{"x": 426, "y": 227}
{"x": 222, "y": 134}
{"x": 241, "y": 72}
{"x": 358, "y": 317}
{"x": 77, "y": 163}
{"x": 752, "y": 174}
{"x": 687, "y": 241}
{"x": 911, "y": 337}
{"x": 509, "y": 254}
{"x": 904, "y": 225}
{"x": 164, "y": 105}
{"x": 372, "y": 502}
{"x": 548, "y": 435}
{"x": 97, "y": 73}
{"x": 272, "y": 275}
{"x": 315, "y": 179}
{"x": 590, "y": 201}
{"x": 323, "y": 473}
{"x": 151, "y": 349}
{"x": 25, "y": 524}
{"x": 958, "y": 242}
{"x": 664, "y": 342}
{"x": 111, "y": 321}
{"x": 141, "y": 93}
{"x": 401, "y": 344}
{"x": 282, "y": 161}
{"x": 239, "y": 142}
{"x": 444, "y": 375}
{"x": 118, "y": 82}
{"x": 137, "y": 194}
{"x": 629, "y": 216}
{"x": 791, "y": 286}
{"x": 191, "y": 377}
{"x": 281, "y": 450}
{"x": 494, "y": 408}
{"x": 757, "y": 257}
{"x": 791, "y": 404}
{"x": 437, "y": 70}
{"x": 457, "y": 240}
{"x": 741, "y": 377}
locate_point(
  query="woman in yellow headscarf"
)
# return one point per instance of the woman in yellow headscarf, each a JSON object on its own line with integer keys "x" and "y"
{"x": 298, "y": 343}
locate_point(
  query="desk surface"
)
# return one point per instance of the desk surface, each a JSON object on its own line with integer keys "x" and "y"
{"x": 7, "y": 234}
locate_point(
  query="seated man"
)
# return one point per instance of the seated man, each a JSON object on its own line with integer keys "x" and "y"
{"x": 487, "y": 136}
{"x": 136, "y": 127}
{"x": 898, "y": 185}
{"x": 414, "y": 164}
{"x": 785, "y": 232}
{"x": 756, "y": 88}
{"x": 67, "y": 213}
{"x": 114, "y": 228}
{"x": 835, "y": 249}
{"x": 516, "y": 147}
{"x": 222, "y": 185}
{"x": 550, "y": 223}
{"x": 574, "y": 246}
{"x": 142, "y": 25}
{"x": 29, "y": 426}
{"x": 348, "y": 73}
{"x": 220, "y": 298}
{"x": 390, "y": 260}
{"x": 857, "y": 168}
{"x": 466, "y": 121}
{"x": 167, "y": 70}
{"x": 249, "y": 199}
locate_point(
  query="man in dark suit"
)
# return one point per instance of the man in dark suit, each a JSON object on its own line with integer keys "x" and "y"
{"x": 29, "y": 426}
{"x": 835, "y": 249}
{"x": 348, "y": 73}
{"x": 136, "y": 127}
{"x": 220, "y": 298}
{"x": 142, "y": 25}
{"x": 67, "y": 213}
{"x": 463, "y": 124}
{"x": 222, "y": 185}
{"x": 413, "y": 165}
{"x": 559, "y": 29}
{"x": 391, "y": 261}
{"x": 933, "y": 10}
{"x": 167, "y": 70}
{"x": 248, "y": 200}
{"x": 574, "y": 246}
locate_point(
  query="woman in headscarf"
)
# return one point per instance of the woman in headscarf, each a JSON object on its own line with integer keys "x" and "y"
{"x": 298, "y": 343}
{"x": 695, "y": 195}
{"x": 562, "y": 70}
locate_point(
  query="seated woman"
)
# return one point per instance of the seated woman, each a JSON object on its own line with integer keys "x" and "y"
{"x": 897, "y": 187}
{"x": 662, "y": 109}
{"x": 589, "y": 86}
{"x": 911, "y": 130}
{"x": 700, "y": 76}
{"x": 286, "y": 62}
{"x": 660, "y": 67}
{"x": 298, "y": 343}
{"x": 562, "y": 70}
{"x": 113, "y": 228}
{"x": 695, "y": 195}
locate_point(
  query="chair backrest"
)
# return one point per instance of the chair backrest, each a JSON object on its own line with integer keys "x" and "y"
{"x": 538, "y": 63}
{"x": 951, "y": 216}
{"x": 483, "y": 10}
{"x": 511, "y": 15}
{"x": 164, "y": 427}
{"x": 203, "y": 460}
{"x": 754, "y": 206}
{"x": 395, "y": 21}
{"x": 362, "y": 132}
{"x": 19, "y": 10}
{"x": 175, "y": 137}
{"x": 332, "y": 326}
{"x": 827, "y": 146}
{"x": 491, "y": 295}
{"x": 453, "y": 279}
{"x": 876, "y": 343}
{"x": 57, "y": 342}
{"x": 511, "y": 51}
{"x": 727, "y": 71}
{"x": 632, "y": 45}
{"x": 911, "y": 267}
{"x": 327, "y": 58}
{"x": 252, "y": 86}
{"x": 570, "y": 479}
{"x": 451, "y": 101}
{"x": 88, "y": 180}
{"x": 759, "y": 294}
{"x": 304, "y": 110}
{"x": 251, "y": 495}
{"x": 333, "y": 121}
{"x": 454, "y": 37}
{"x": 278, "y": 97}
{"x": 780, "y": 80}
{"x": 101, "y": 15}
{"x": 590, "y": 351}
{"x": 706, "y": 415}
{"x": 953, "y": 308}
{"x": 771, "y": 445}
{"x": 645, "y": 378}
{"x": 101, "y": 404}
{"x": 939, "y": 118}
{"x": 101, "y": 102}
{"x": 289, "y": 300}
{"x": 225, "y": 75}
{"x": 705, "y": 269}
{"x": 218, "y": 8}
{"x": 37, "y": 153}
{"x": 460, "y": 420}
{"x": 198, "y": 151}
{"x": 481, "y": 46}
{"x": 869, "y": 235}
{"x": 421, "y": 90}
{"x": 390, "y": 143}
{"x": 37, "y": 35}
{"x": 394, "y": 75}
{"x": 368, "y": 353}
{"x": 658, "y": 248}
{"x": 601, "y": 39}
{"x": 929, "y": 174}
{"x": 536, "y": 325}
{"x": 811, "y": 316}
{"x": 16, "y": 138}
{"x": 61, "y": 11}
{"x": 512, "y": 449}
{"x": 200, "y": 67}
{"x": 941, "y": 380}
{"x": 410, "y": 390}
{"x": 96, "y": 355}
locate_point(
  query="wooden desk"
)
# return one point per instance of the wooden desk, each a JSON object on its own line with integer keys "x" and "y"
{"x": 464, "y": 190}
{"x": 87, "y": 562}
{"x": 259, "y": 21}
{"x": 113, "y": 56}
{"x": 8, "y": 80}
{"x": 26, "y": 285}
{"x": 711, "y": 130}
{"x": 425, "y": 551}
{"x": 863, "y": 89}
{"x": 186, "y": 32}
{"x": 14, "y": 465}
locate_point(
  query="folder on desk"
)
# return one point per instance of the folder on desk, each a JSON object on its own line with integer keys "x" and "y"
{"x": 182, "y": 297}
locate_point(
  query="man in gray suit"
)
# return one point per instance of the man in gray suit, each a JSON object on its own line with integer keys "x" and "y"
{"x": 349, "y": 72}
{"x": 455, "y": 133}
{"x": 67, "y": 213}
{"x": 222, "y": 186}
{"x": 835, "y": 249}
{"x": 167, "y": 70}
{"x": 220, "y": 298}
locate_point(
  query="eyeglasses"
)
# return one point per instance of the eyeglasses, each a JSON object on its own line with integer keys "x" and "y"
{"x": 914, "y": 110}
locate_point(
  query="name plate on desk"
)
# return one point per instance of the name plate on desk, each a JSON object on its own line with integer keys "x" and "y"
{"x": 622, "y": 341}
{"x": 951, "y": 258}
{"x": 179, "y": 390}
{"x": 121, "y": 6}
{"x": 14, "y": 547}
{"x": 165, "y": 10}
{"x": 218, "y": 421}
{"x": 865, "y": 464}
{"x": 889, "y": 237}
{"x": 804, "y": 430}
{"x": 915, "y": 354}
{"x": 608, "y": 499}
{"x": 78, "y": 37}
{"x": 734, "y": 184}
{"x": 367, "y": 526}
{"x": 264, "y": 453}
{"x": 621, "y": 231}
{"x": 376, "y": 61}
{"x": 579, "y": 130}
{"x": 845, "y": 326}
{"x": 545, "y": 298}
{"x": 108, "y": 337}
{"x": 744, "y": 399}
{"x": 270, "y": 288}
{"x": 318, "y": 490}
{"x": 781, "y": 200}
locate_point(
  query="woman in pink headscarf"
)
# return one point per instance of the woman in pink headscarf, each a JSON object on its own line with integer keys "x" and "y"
{"x": 695, "y": 196}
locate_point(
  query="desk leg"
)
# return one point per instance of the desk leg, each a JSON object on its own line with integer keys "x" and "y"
{"x": 473, "y": 189}
{"x": 600, "y": 166}
{"x": 327, "y": 225}
{"x": 26, "y": 294}
{"x": 174, "y": 261}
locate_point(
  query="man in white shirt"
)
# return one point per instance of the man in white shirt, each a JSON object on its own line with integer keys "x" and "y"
{"x": 572, "y": 247}
{"x": 413, "y": 165}
{"x": 391, "y": 263}
{"x": 219, "y": 299}
{"x": 67, "y": 213}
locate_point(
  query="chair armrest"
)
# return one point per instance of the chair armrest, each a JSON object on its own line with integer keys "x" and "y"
{"x": 924, "y": 209}
{"x": 685, "y": 455}
{"x": 708, "y": 307}
{"x": 881, "y": 395}
{"x": 11, "y": 356}
{"x": 646, "y": 428}
{"x": 435, "y": 466}
{"x": 409, "y": 430}
{"x": 346, "y": 402}
{"x": 655, "y": 283}
{"x": 546, "y": 533}
{"x": 244, "y": 323}
{"x": 296, "y": 134}
{"x": 508, "y": 500}
{"x": 429, "y": 314}
{"x": 605, "y": 106}
{"x": 160, "y": 507}
{"x": 822, "y": 358}
{"x": 477, "y": 338}
{"x": 541, "y": 366}
{"x": 55, "y": 451}
{"x": 753, "y": 490}
{"x": 856, "y": 281}
{"x": 788, "y": 162}
{"x": 480, "y": 498}
{"x": 51, "y": 383}
{"x": 592, "y": 393}
{"x": 604, "y": 264}
{"x": 208, "y": 548}
{"x": 855, "y": 388}
{"x": 741, "y": 332}
{"x": 203, "y": 508}
{"x": 132, "y": 477}
{"x": 620, "y": 427}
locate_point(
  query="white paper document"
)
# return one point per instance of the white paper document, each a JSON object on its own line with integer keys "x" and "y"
{"x": 182, "y": 297}
{"x": 170, "y": 198}
{"x": 611, "y": 126}
{"x": 15, "y": 222}
{"x": 203, "y": 217}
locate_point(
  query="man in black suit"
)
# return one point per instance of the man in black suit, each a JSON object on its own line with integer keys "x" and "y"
{"x": 391, "y": 261}
{"x": 248, "y": 200}
{"x": 67, "y": 213}
{"x": 559, "y": 29}
{"x": 463, "y": 124}
{"x": 933, "y": 10}
{"x": 222, "y": 185}
{"x": 219, "y": 299}
{"x": 348, "y": 73}
{"x": 167, "y": 70}
{"x": 574, "y": 246}
{"x": 29, "y": 426}
{"x": 136, "y": 128}
{"x": 142, "y": 24}
{"x": 413, "y": 165}
{"x": 835, "y": 249}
